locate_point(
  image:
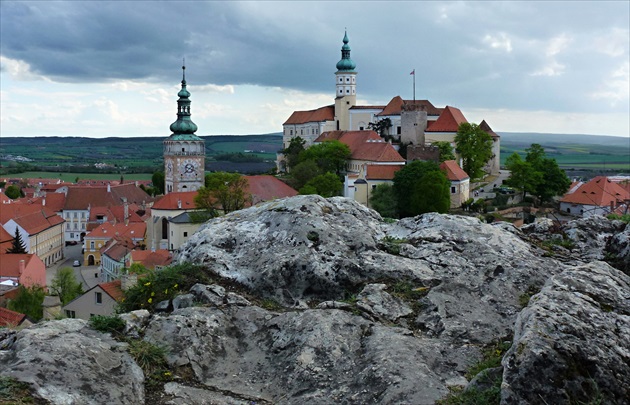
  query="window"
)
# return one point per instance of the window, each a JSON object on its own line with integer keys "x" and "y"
{"x": 83, "y": 215}
{"x": 99, "y": 297}
{"x": 291, "y": 132}
{"x": 83, "y": 226}
{"x": 70, "y": 314}
{"x": 67, "y": 226}
{"x": 185, "y": 234}
{"x": 91, "y": 245}
{"x": 347, "y": 79}
{"x": 398, "y": 130}
{"x": 360, "y": 128}
{"x": 452, "y": 190}
{"x": 76, "y": 226}
{"x": 373, "y": 187}
{"x": 71, "y": 236}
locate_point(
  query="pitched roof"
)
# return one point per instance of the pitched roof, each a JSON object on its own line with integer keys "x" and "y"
{"x": 10, "y": 263}
{"x": 4, "y": 199}
{"x": 150, "y": 259}
{"x": 486, "y": 128}
{"x": 364, "y": 145}
{"x": 382, "y": 172}
{"x": 266, "y": 188}
{"x": 321, "y": 114}
{"x": 79, "y": 198}
{"x": 176, "y": 201}
{"x": 113, "y": 289}
{"x": 600, "y": 191}
{"x": 6, "y": 240}
{"x": 448, "y": 121}
{"x": 10, "y": 318}
{"x": 453, "y": 171}
{"x": 118, "y": 247}
{"x": 133, "y": 230}
{"x": 32, "y": 218}
{"x": 395, "y": 106}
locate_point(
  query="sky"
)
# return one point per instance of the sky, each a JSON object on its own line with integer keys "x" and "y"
{"x": 113, "y": 68}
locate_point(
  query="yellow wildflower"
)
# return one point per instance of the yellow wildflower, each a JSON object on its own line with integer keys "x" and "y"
{"x": 147, "y": 284}
{"x": 153, "y": 293}
{"x": 175, "y": 286}
{"x": 150, "y": 300}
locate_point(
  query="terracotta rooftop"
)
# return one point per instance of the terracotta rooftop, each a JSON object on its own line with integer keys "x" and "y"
{"x": 266, "y": 188}
{"x": 107, "y": 230}
{"x": 33, "y": 220}
{"x": 118, "y": 247}
{"x": 364, "y": 145}
{"x": 395, "y": 106}
{"x": 10, "y": 263}
{"x": 600, "y": 192}
{"x": 448, "y": 121}
{"x": 113, "y": 289}
{"x": 321, "y": 114}
{"x": 150, "y": 259}
{"x": 486, "y": 128}
{"x": 382, "y": 172}
{"x": 453, "y": 171}
{"x": 79, "y": 198}
{"x": 176, "y": 201}
{"x": 6, "y": 240}
{"x": 10, "y": 318}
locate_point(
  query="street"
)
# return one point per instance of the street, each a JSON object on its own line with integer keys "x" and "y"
{"x": 87, "y": 275}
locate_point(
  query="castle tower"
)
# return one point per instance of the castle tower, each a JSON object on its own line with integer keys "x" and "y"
{"x": 346, "y": 87}
{"x": 414, "y": 122}
{"x": 184, "y": 152}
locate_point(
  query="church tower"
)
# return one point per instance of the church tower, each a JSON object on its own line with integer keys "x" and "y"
{"x": 346, "y": 87}
{"x": 184, "y": 152}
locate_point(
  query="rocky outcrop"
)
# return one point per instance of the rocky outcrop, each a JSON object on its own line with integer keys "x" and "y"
{"x": 338, "y": 306}
{"x": 572, "y": 343}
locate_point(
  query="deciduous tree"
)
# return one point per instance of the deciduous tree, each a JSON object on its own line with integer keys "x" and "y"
{"x": 421, "y": 187}
{"x": 446, "y": 150}
{"x": 383, "y": 200}
{"x": 292, "y": 152}
{"x": 474, "y": 146}
{"x": 303, "y": 172}
{"x": 65, "y": 285}
{"x": 223, "y": 191}
{"x": 523, "y": 176}
{"x": 13, "y": 192}
{"x": 326, "y": 185}
{"x": 29, "y": 301}
{"x": 330, "y": 156}
{"x": 158, "y": 182}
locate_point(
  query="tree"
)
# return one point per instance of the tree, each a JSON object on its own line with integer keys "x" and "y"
{"x": 29, "y": 301}
{"x": 292, "y": 152}
{"x": 13, "y": 192}
{"x": 381, "y": 127}
{"x": 523, "y": 176}
{"x": 383, "y": 200}
{"x": 65, "y": 285}
{"x": 446, "y": 150}
{"x": 326, "y": 185}
{"x": 421, "y": 187}
{"x": 330, "y": 156}
{"x": 224, "y": 191}
{"x": 158, "y": 182}
{"x": 303, "y": 172}
{"x": 474, "y": 146}
{"x": 17, "y": 244}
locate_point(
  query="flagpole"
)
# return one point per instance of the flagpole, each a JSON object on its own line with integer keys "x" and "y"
{"x": 413, "y": 73}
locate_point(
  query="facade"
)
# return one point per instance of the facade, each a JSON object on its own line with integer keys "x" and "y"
{"x": 460, "y": 182}
{"x": 415, "y": 122}
{"x": 115, "y": 257}
{"x": 98, "y": 238}
{"x": 184, "y": 152}
{"x": 599, "y": 196}
{"x": 98, "y": 300}
{"x": 167, "y": 207}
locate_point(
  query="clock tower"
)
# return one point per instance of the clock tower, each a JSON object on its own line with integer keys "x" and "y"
{"x": 184, "y": 152}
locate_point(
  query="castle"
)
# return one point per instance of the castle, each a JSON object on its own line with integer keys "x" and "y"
{"x": 415, "y": 122}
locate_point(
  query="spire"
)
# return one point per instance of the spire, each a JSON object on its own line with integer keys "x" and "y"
{"x": 345, "y": 64}
{"x": 184, "y": 124}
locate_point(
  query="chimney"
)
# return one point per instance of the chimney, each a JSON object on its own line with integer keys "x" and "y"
{"x": 22, "y": 266}
{"x": 109, "y": 188}
{"x": 128, "y": 280}
{"x": 179, "y": 204}
{"x": 43, "y": 202}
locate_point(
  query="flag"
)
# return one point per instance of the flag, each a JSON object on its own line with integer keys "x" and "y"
{"x": 413, "y": 72}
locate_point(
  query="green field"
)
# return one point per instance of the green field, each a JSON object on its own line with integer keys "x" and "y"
{"x": 71, "y": 177}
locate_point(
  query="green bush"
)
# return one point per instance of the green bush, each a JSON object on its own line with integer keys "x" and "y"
{"x": 150, "y": 357}
{"x": 625, "y": 217}
{"x": 108, "y": 324}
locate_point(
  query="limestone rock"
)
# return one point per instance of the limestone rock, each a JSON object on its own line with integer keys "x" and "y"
{"x": 572, "y": 342}
{"x": 64, "y": 362}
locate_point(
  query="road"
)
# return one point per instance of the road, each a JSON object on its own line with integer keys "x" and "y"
{"x": 87, "y": 275}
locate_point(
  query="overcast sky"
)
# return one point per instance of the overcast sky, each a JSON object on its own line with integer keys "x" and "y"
{"x": 97, "y": 68}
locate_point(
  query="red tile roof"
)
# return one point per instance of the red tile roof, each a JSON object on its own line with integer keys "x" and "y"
{"x": 453, "y": 171}
{"x": 367, "y": 107}
{"x": 113, "y": 289}
{"x": 266, "y": 188}
{"x": 382, "y": 172}
{"x": 486, "y": 128}
{"x": 6, "y": 240}
{"x": 31, "y": 217}
{"x": 321, "y": 114}
{"x": 364, "y": 145}
{"x": 4, "y": 199}
{"x": 10, "y": 263}
{"x": 448, "y": 121}
{"x": 10, "y": 318}
{"x": 134, "y": 230}
{"x": 150, "y": 259}
{"x": 170, "y": 201}
{"x": 600, "y": 192}
{"x": 118, "y": 247}
{"x": 394, "y": 107}
{"x": 79, "y": 198}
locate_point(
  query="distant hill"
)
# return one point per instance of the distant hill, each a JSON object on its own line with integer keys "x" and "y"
{"x": 542, "y": 138}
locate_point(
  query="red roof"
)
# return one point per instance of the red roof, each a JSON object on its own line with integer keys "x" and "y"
{"x": 134, "y": 230}
{"x": 364, "y": 145}
{"x": 600, "y": 192}
{"x": 382, "y": 172}
{"x": 79, "y": 198}
{"x": 6, "y": 240}
{"x": 10, "y": 263}
{"x": 394, "y": 107}
{"x": 321, "y": 114}
{"x": 118, "y": 247}
{"x": 4, "y": 199}
{"x": 486, "y": 128}
{"x": 31, "y": 217}
{"x": 266, "y": 188}
{"x": 176, "y": 201}
{"x": 113, "y": 289}
{"x": 10, "y": 318}
{"x": 448, "y": 121}
{"x": 453, "y": 171}
{"x": 150, "y": 259}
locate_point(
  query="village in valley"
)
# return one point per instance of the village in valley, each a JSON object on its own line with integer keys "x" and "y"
{"x": 402, "y": 159}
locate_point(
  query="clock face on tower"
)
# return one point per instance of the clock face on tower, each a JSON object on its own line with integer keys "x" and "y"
{"x": 188, "y": 168}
